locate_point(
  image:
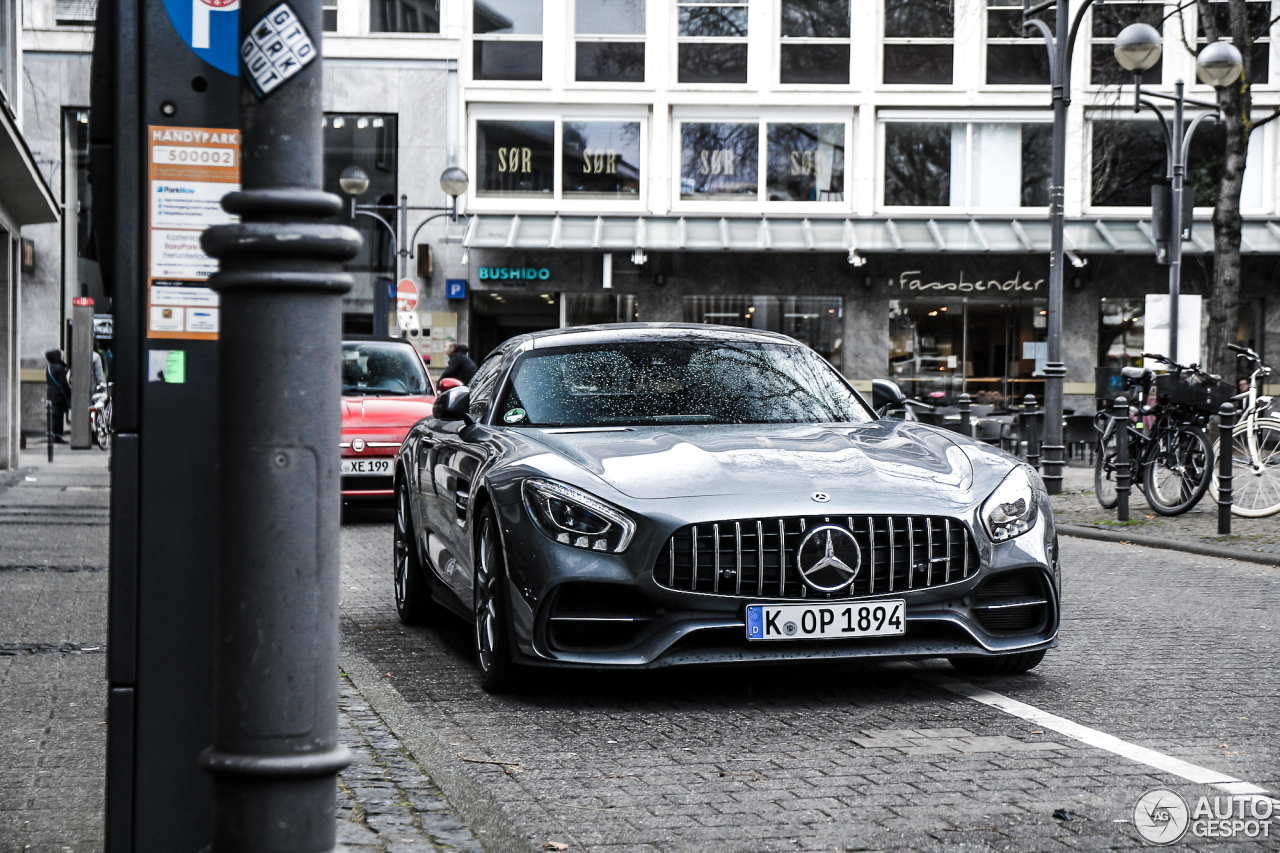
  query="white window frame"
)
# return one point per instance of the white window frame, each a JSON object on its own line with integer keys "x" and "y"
{"x": 753, "y": 8}
{"x": 1172, "y": 57}
{"x": 782, "y": 40}
{"x": 1264, "y": 159}
{"x": 556, "y": 201}
{"x": 763, "y": 118}
{"x": 572, "y": 38}
{"x": 1035, "y": 39}
{"x": 970, "y": 118}
{"x": 1273, "y": 71}
{"x": 466, "y": 62}
{"x": 958, "y": 10}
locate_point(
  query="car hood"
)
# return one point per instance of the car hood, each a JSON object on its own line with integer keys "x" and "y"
{"x": 694, "y": 461}
{"x": 375, "y": 412}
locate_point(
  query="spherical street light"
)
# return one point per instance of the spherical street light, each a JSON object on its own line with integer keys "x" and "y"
{"x": 353, "y": 180}
{"x": 1138, "y": 47}
{"x": 1220, "y": 63}
{"x": 454, "y": 181}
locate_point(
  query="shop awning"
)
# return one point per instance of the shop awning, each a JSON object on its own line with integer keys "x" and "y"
{"x": 789, "y": 234}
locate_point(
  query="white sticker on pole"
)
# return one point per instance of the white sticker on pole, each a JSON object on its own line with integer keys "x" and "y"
{"x": 277, "y": 48}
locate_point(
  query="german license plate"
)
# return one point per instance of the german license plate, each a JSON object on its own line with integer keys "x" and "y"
{"x": 833, "y": 621}
{"x": 357, "y": 467}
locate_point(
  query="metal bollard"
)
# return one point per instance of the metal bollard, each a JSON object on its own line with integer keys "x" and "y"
{"x": 1227, "y": 422}
{"x": 966, "y": 425}
{"x": 1120, "y": 417}
{"x": 1030, "y": 420}
{"x": 48, "y": 426}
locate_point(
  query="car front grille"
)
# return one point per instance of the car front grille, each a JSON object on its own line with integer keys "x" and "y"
{"x": 757, "y": 557}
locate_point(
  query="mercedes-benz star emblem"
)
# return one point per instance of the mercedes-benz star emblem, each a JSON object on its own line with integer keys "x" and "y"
{"x": 821, "y": 497}
{"x": 828, "y": 558}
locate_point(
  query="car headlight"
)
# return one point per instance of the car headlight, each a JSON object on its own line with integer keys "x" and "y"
{"x": 576, "y": 518}
{"x": 1013, "y": 507}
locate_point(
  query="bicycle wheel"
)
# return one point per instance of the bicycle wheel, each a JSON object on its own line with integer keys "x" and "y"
{"x": 1178, "y": 470}
{"x": 1104, "y": 470}
{"x": 1255, "y": 482}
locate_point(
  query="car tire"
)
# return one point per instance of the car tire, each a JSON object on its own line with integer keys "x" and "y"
{"x": 413, "y": 599}
{"x": 1014, "y": 664}
{"x": 498, "y": 672}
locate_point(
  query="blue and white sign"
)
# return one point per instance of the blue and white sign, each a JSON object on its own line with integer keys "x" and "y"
{"x": 455, "y": 288}
{"x": 210, "y": 28}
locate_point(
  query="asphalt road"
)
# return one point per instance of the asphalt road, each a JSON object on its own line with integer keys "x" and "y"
{"x": 1162, "y": 650}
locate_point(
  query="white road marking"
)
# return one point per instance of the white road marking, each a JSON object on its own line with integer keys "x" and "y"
{"x": 1092, "y": 737}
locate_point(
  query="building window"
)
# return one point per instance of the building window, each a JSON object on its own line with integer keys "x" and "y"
{"x": 590, "y": 309}
{"x": 1120, "y": 332}
{"x": 1108, "y": 21}
{"x": 1258, "y": 15}
{"x": 815, "y": 41}
{"x": 601, "y": 159}
{"x": 918, "y": 41}
{"x": 815, "y": 321}
{"x": 610, "y": 41}
{"x": 719, "y": 161}
{"x": 806, "y": 162}
{"x": 508, "y": 40}
{"x": 1130, "y": 156}
{"x": 1011, "y": 58}
{"x": 967, "y": 164}
{"x": 397, "y": 16}
{"x": 712, "y": 42}
{"x": 329, "y": 15}
{"x": 75, "y": 13}
{"x": 515, "y": 158}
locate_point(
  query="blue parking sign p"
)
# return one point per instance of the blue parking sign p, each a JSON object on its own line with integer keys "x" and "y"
{"x": 455, "y": 288}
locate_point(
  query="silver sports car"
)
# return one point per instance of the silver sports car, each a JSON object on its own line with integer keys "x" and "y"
{"x": 653, "y": 494}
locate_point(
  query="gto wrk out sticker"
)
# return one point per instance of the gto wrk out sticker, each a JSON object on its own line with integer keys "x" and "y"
{"x": 277, "y": 48}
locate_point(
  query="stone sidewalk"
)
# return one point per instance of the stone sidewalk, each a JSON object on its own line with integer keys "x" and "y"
{"x": 1077, "y": 505}
{"x": 53, "y": 609}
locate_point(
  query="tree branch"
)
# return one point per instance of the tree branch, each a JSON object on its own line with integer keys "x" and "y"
{"x": 1254, "y": 125}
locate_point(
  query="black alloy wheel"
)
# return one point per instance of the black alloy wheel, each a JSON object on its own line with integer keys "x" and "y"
{"x": 498, "y": 673}
{"x": 1014, "y": 664}
{"x": 413, "y": 599}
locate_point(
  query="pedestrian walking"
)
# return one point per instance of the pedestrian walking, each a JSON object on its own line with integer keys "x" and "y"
{"x": 57, "y": 391}
{"x": 460, "y": 366}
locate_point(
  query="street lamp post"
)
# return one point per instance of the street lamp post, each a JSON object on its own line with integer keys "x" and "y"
{"x": 1138, "y": 48}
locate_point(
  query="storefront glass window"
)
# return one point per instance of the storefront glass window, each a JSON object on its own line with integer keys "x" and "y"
{"x": 918, "y": 41}
{"x": 994, "y": 350}
{"x": 815, "y": 321}
{"x": 508, "y": 40}
{"x": 1120, "y": 332}
{"x": 589, "y": 309}
{"x": 515, "y": 158}
{"x": 815, "y": 41}
{"x": 719, "y": 161}
{"x": 968, "y": 165}
{"x": 806, "y": 162}
{"x": 1129, "y": 156}
{"x": 1108, "y": 21}
{"x": 1258, "y": 14}
{"x": 610, "y": 40}
{"x": 1012, "y": 57}
{"x": 601, "y": 159}
{"x": 712, "y": 42}
{"x": 399, "y": 16}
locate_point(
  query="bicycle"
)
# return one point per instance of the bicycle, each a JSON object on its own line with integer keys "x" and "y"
{"x": 100, "y": 415}
{"x": 1174, "y": 457}
{"x": 1255, "y": 448}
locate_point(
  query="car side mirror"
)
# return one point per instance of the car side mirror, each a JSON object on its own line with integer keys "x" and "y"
{"x": 446, "y": 384}
{"x": 886, "y": 394}
{"x": 453, "y": 405}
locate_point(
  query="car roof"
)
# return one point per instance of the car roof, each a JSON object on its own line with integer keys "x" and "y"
{"x": 382, "y": 339}
{"x": 626, "y": 332}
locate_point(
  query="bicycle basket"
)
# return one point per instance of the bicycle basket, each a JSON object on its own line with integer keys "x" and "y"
{"x": 1205, "y": 397}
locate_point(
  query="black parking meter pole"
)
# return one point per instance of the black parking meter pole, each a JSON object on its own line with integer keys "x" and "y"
{"x": 1226, "y": 424}
{"x": 966, "y": 427}
{"x": 1120, "y": 417}
{"x": 1030, "y": 425}
{"x": 275, "y": 751}
{"x": 48, "y": 426}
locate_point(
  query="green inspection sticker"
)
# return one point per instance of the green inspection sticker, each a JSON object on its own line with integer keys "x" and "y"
{"x": 514, "y": 416}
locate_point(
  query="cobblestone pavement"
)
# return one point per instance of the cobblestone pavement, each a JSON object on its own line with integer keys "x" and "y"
{"x": 1162, "y": 649}
{"x": 1078, "y": 505}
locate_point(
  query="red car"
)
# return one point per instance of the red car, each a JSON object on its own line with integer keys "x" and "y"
{"x": 385, "y": 390}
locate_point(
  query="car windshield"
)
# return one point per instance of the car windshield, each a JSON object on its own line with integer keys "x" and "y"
{"x": 668, "y": 382}
{"x": 376, "y": 368}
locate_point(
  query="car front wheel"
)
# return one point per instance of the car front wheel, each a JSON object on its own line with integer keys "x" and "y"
{"x": 413, "y": 599}
{"x": 498, "y": 673}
